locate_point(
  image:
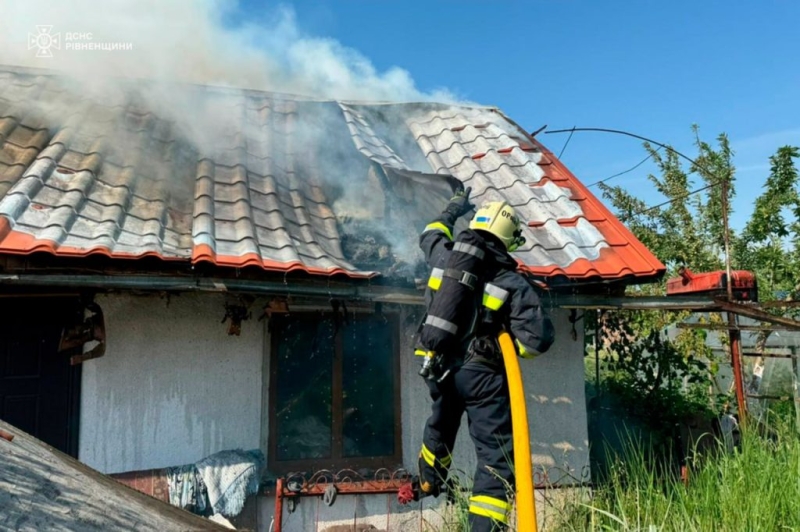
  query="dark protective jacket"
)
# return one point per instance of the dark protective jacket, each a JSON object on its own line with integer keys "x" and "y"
{"x": 504, "y": 297}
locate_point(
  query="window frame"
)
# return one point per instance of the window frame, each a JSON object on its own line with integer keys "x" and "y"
{"x": 337, "y": 460}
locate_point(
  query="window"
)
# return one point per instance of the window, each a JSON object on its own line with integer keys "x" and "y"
{"x": 334, "y": 393}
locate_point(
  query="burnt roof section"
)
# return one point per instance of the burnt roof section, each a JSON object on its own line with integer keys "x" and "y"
{"x": 239, "y": 178}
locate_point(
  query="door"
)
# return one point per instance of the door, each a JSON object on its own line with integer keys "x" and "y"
{"x": 39, "y": 389}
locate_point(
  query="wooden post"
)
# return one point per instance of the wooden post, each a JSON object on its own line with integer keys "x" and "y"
{"x": 277, "y": 519}
{"x": 734, "y": 335}
{"x": 598, "y": 317}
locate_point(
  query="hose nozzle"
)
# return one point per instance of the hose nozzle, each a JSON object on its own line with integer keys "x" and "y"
{"x": 427, "y": 365}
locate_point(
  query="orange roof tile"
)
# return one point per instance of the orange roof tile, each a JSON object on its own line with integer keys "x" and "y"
{"x": 276, "y": 181}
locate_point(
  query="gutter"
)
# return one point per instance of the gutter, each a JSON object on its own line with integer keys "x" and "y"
{"x": 373, "y": 293}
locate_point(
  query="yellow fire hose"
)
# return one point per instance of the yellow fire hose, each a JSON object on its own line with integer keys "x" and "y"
{"x": 525, "y": 500}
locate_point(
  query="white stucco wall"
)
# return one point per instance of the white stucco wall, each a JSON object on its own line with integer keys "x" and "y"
{"x": 173, "y": 387}
{"x": 554, "y": 384}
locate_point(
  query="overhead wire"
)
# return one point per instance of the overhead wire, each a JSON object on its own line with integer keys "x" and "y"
{"x": 631, "y": 169}
{"x": 667, "y": 147}
{"x": 682, "y": 196}
{"x": 564, "y": 148}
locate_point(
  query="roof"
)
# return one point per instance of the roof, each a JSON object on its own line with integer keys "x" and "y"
{"x": 240, "y": 178}
{"x": 44, "y": 489}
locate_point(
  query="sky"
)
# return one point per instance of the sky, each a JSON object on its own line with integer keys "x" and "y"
{"x": 652, "y": 68}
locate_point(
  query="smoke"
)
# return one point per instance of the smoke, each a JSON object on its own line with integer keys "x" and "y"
{"x": 160, "y": 47}
{"x": 191, "y": 41}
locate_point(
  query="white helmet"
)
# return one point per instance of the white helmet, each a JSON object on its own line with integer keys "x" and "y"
{"x": 499, "y": 219}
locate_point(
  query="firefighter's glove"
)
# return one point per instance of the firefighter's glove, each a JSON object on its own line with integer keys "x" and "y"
{"x": 459, "y": 204}
{"x": 415, "y": 490}
{"x": 408, "y": 493}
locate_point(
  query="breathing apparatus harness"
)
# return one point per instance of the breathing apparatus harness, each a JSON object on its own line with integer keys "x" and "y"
{"x": 462, "y": 317}
{"x": 452, "y": 314}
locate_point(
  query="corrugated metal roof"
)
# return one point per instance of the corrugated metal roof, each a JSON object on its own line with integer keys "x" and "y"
{"x": 279, "y": 183}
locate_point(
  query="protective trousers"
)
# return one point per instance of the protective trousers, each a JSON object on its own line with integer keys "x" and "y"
{"x": 483, "y": 393}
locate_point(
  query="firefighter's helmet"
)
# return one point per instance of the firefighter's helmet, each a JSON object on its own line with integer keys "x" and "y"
{"x": 499, "y": 219}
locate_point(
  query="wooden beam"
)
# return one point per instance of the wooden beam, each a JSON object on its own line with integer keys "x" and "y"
{"x": 779, "y": 304}
{"x": 308, "y": 288}
{"x": 600, "y": 302}
{"x": 772, "y": 397}
{"x": 725, "y": 327}
{"x": 758, "y": 314}
{"x": 765, "y": 355}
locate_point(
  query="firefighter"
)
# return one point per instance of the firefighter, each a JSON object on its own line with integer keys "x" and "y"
{"x": 474, "y": 292}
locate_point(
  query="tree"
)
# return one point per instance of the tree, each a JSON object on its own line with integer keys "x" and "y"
{"x": 769, "y": 244}
{"x": 687, "y": 229}
{"x": 661, "y": 378}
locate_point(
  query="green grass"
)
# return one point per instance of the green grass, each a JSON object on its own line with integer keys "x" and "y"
{"x": 756, "y": 488}
{"x": 455, "y": 514}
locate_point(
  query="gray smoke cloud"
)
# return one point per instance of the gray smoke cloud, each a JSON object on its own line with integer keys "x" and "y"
{"x": 188, "y": 40}
{"x": 159, "y": 48}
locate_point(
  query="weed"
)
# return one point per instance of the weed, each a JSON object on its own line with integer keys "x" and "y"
{"x": 754, "y": 488}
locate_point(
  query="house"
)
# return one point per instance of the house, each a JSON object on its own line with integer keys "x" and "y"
{"x": 238, "y": 269}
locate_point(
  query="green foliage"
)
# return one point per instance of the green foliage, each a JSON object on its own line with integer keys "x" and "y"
{"x": 689, "y": 230}
{"x": 716, "y": 170}
{"x": 455, "y": 514}
{"x": 660, "y": 381}
{"x": 769, "y": 244}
